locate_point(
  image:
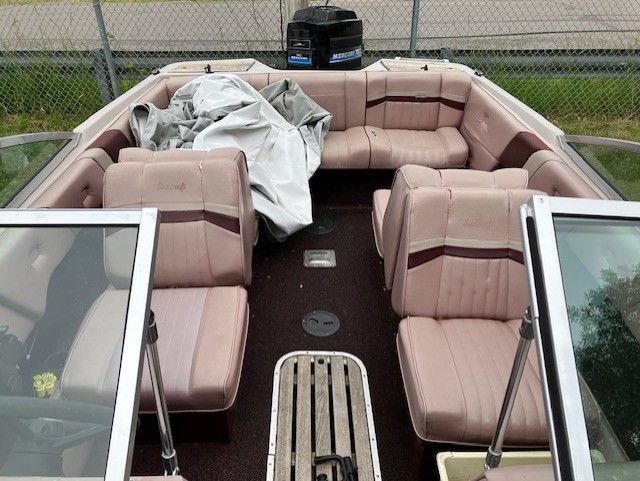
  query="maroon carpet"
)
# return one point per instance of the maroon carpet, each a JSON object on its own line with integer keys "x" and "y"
{"x": 282, "y": 292}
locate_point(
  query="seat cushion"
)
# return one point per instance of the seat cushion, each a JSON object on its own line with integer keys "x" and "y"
{"x": 393, "y": 148}
{"x": 380, "y": 202}
{"x": 201, "y": 339}
{"x": 455, "y": 373}
{"x": 410, "y": 177}
{"x": 207, "y": 217}
{"x": 346, "y": 149}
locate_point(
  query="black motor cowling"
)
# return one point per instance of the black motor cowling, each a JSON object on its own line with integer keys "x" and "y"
{"x": 325, "y": 37}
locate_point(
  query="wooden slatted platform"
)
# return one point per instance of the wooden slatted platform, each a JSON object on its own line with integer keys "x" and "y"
{"x": 321, "y": 405}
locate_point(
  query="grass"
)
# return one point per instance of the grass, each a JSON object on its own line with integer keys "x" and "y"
{"x": 52, "y": 99}
{"x": 20, "y": 163}
{"x": 565, "y": 97}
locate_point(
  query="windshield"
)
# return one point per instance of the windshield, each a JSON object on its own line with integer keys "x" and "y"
{"x": 64, "y": 294}
{"x": 600, "y": 265}
{"x": 21, "y": 163}
{"x": 614, "y": 161}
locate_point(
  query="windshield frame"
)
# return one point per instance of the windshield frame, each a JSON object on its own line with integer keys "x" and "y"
{"x": 559, "y": 373}
{"x": 127, "y": 396}
{"x": 18, "y": 198}
{"x": 611, "y": 190}
{"x": 72, "y": 138}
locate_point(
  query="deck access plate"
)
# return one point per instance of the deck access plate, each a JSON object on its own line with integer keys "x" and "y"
{"x": 321, "y": 404}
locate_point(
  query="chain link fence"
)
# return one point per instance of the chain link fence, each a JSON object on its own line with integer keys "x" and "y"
{"x": 575, "y": 57}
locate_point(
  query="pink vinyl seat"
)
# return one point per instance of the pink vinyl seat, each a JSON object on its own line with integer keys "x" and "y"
{"x": 460, "y": 284}
{"x": 388, "y": 204}
{"x": 203, "y": 262}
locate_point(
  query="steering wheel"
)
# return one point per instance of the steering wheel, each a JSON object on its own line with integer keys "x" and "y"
{"x": 42, "y": 422}
{"x": 23, "y": 407}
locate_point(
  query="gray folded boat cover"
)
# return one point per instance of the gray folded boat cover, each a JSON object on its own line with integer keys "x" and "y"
{"x": 280, "y": 129}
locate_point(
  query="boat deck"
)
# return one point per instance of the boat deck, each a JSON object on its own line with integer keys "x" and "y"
{"x": 282, "y": 292}
{"x": 321, "y": 407}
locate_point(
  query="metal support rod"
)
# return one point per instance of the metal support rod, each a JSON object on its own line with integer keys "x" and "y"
{"x": 415, "y": 18}
{"x": 169, "y": 456}
{"x": 104, "y": 40}
{"x": 494, "y": 454}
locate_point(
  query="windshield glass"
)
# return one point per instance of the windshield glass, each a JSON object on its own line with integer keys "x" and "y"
{"x": 21, "y": 163}
{"x": 600, "y": 265}
{"x": 64, "y": 295}
{"x": 620, "y": 167}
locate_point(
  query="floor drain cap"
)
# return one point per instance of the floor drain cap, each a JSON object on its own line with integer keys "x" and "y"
{"x": 322, "y": 225}
{"x": 320, "y": 323}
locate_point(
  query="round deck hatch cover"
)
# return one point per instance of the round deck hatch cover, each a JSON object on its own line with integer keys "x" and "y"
{"x": 320, "y": 323}
{"x": 322, "y": 225}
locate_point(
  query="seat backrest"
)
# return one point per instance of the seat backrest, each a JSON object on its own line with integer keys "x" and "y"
{"x": 496, "y": 137}
{"x": 549, "y": 173}
{"x": 416, "y": 100}
{"x": 342, "y": 94}
{"x": 207, "y": 218}
{"x": 460, "y": 254}
{"x": 411, "y": 177}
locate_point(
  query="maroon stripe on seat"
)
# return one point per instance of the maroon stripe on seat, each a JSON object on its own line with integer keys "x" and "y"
{"x": 520, "y": 148}
{"x": 416, "y": 99}
{"x": 112, "y": 142}
{"x": 227, "y": 222}
{"x": 422, "y": 257}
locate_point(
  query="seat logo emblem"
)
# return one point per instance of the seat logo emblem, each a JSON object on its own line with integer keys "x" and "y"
{"x": 179, "y": 186}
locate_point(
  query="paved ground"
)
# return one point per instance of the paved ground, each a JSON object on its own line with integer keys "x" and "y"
{"x": 256, "y": 25}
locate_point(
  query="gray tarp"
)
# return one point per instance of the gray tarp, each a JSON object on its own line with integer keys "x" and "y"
{"x": 282, "y": 140}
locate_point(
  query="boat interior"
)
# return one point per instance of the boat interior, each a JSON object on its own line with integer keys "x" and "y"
{"x": 418, "y": 192}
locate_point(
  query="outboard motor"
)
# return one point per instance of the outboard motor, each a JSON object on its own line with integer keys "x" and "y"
{"x": 325, "y": 38}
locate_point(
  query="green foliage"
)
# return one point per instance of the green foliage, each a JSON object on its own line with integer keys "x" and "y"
{"x": 18, "y": 165}
{"x": 566, "y": 97}
{"x": 608, "y": 354}
{"x": 49, "y": 89}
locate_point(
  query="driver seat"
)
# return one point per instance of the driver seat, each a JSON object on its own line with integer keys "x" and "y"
{"x": 203, "y": 262}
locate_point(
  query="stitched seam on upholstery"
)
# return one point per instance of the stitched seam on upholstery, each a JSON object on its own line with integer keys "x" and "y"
{"x": 487, "y": 376}
{"x": 369, "y": 143}
{"x": 344, "y": 96}
{"x": 173, "y": 341}
{"x": 439, "y": 105}
{"x": 182, "y": 345}
{"x": 384, "y": 104}
{"x": 501, "y": 352}
{"x": 446, "y": 230}
{"x": 462, "y": 390}
{"x": 475, "y": 294}
{"x": 496, "y": 397}
{"x": 508, "y": 296}
{"x": 94, "y": 308}
{"x": 406, "y": 271}
{"x": 245, "y": 273}
{"x": 416, "y": 370}
{"x": 233, "y": 345}
{"x": 474, "y": 137}
{"x": 206, "y": 237}
{"x": 83, "y": 327}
